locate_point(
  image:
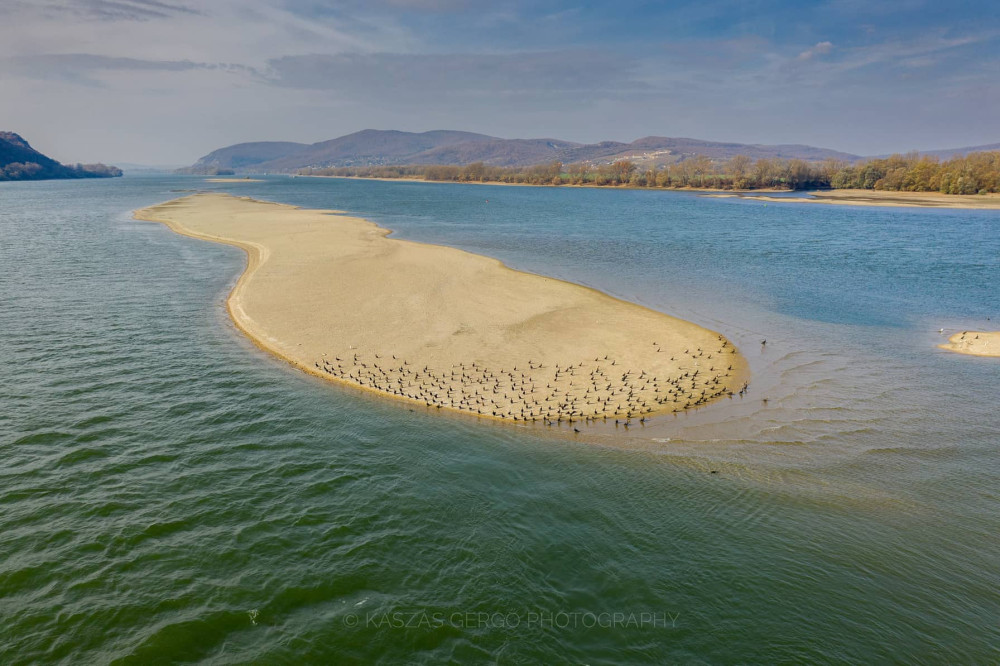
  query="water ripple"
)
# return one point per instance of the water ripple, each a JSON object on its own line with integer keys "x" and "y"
{"x": 171, "y": 494}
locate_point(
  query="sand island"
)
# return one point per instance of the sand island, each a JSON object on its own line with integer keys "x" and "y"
{"x": 878, "y": 198}
{"x": 974, "y": 343}
{"x": 448, "y": 329}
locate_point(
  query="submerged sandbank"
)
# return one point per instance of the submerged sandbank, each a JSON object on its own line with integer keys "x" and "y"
{"x": 974, "y": 343}
{"x": 233, "y": 180}
{"x": 434, "y": 325}
{"x": 881, "y": 198}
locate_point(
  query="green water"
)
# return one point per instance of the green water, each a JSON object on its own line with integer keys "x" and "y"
{"x": 169, "y": 493}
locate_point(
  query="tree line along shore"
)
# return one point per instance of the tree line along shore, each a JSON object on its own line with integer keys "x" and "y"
{"x": 975, "y": 173}
{"x": 36, "y": 171}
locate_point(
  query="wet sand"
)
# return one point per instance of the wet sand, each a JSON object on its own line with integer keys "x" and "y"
{"x": 974, "y": 343}
{"x": 445, "y": 328}
{"x": 881, "y": 198}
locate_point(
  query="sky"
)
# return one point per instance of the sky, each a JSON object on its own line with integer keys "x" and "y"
{"x": 167, "y": 81}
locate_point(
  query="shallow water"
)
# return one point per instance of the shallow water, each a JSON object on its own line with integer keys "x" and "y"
{"x": 171, "y": 493}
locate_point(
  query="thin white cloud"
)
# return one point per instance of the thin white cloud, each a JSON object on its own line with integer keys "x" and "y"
{"x": 87, "y": 68}
{"x": 103, "y": 10}
{"x": 245, "y": 31}
{"x": 820, "y": 49}
{"x": 396, "y": 75}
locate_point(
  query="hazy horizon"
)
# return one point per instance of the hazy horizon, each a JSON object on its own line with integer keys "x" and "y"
{"x": 167, "y": 81}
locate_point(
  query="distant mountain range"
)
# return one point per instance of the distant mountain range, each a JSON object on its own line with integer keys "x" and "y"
{"x": 392, "y": 147}
{"x": 961, "y": 152}
{"x": 384, "y": 147}
{"x": 19, "y": 161}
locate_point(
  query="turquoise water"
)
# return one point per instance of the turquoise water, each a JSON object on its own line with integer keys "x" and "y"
{"x": 169, "y": 493}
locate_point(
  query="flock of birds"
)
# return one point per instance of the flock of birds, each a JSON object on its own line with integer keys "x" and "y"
{"x": 581, "y": 392}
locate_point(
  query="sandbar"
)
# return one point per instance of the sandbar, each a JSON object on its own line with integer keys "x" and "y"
{"x": 233, "y": 180}
{"x": 448, "y": 329}
{"x": 881, "y": 198}
{"x": 974, "y": 343}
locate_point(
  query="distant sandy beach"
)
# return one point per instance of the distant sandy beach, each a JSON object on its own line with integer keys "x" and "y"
{"x": 881, "y": 198}
{"x": 974, "y": 343}
{"x": 444, "y": 328}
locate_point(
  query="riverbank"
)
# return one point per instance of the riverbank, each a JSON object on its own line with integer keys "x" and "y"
{"x": 420, "y": 179}
{"x": 841, "y": 197}
{"x": 332, "y": 295}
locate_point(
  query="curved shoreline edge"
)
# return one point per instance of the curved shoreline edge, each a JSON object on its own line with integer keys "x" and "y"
{"x": 515, "y": 349}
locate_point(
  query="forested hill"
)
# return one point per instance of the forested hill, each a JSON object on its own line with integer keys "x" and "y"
{"x": 446, "y": 147}
{"x": 19, "y": 161}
